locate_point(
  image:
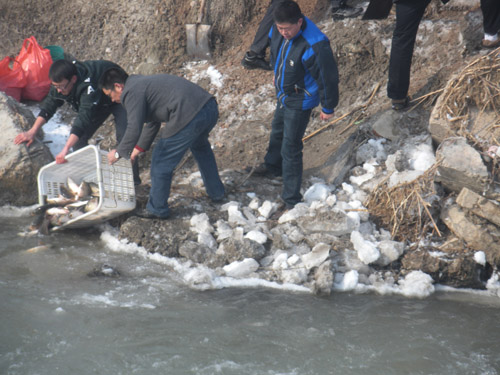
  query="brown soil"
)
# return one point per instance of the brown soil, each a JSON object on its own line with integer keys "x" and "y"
{"x": 149, "y": 36}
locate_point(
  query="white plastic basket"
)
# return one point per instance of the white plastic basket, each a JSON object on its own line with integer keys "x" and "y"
{"x": 90, "y": 164}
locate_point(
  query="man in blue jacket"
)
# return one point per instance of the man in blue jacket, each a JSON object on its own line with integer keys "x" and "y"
{"x": 305, "y": 75}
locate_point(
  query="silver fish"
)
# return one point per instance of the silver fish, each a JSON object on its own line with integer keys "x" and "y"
{"x": 92, "y": 204}
{"x": 73, "y": 187}
{"x": 94, "y": 189}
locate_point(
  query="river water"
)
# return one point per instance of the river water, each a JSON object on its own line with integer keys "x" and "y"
{"x": 57, "y": 317}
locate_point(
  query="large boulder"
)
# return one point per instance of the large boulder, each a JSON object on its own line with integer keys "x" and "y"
{"x": 19, "y": 164}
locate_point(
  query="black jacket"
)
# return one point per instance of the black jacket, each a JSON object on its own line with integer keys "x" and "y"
{"x": 85, "y": 97}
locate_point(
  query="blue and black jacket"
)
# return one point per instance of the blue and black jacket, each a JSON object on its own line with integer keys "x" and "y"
{"x": 305, "y": 69}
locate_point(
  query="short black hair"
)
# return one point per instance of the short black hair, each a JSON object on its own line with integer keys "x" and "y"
{"x": 61, "y": 70}
{"x": 287, "y": 12}
{"x": 111, "y": 76}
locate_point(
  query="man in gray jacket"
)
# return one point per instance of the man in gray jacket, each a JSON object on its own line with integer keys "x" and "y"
{"x": 189, "y": 113}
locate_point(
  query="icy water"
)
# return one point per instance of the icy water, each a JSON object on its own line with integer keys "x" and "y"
{"x": 56, "y": 319}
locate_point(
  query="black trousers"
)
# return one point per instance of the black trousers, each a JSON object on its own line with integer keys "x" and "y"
{"x": 409, "y": 13}
{"x": 491, "y": 16}
{"x": 261, "y": 39}
{"x": 120, "y": 116}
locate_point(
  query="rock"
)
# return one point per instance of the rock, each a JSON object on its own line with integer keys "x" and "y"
{"x": 334, "y": 222}
{"x": 480, "y": 206}
{"x": 334, "y": 169}
{"x": 475, "y": 234}
{"x": 323, "y": 278}
{"x": 461, "y": 166}
{"x": 387, "y": 125}
{"x": 234, "y": 250}
{"x": 19, "y": 164}
{"x": 461, "y": 271}
{"x": 200, "y": 254}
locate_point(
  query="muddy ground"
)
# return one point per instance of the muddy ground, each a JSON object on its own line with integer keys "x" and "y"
{"x": 149, "y": 37}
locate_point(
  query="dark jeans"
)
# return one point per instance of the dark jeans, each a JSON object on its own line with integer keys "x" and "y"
{"x": 284, "y": 153}
{"x": 491, "y": 16}
{"x": 261, "y": 39}
{"x": 120, "y": 116}
{"x": 409, "y": 13}
{"x": 168, "y": 152}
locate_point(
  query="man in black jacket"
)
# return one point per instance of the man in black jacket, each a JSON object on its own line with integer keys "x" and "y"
{"x": 76, "y": 83}
{"x": 306, "y": 75}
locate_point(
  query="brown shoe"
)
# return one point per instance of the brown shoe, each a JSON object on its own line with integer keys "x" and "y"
{"x": 490, "y": 43}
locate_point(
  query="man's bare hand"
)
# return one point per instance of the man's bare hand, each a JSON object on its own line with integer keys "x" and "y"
{"x": 61, "y": 158}
{"x": 325, "y": 116}
{"x": 111, "y": 157}
{"x": 24, "y": 137}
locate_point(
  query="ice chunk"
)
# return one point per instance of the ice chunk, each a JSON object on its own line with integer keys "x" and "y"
{"x": 367, "y": 250}
{"x": 316, "y": 256}
{"x": 317, "y": 192}
{"x": 207, "y": 239}
{"x": 349, "y": 281}
{"x": 267, "y": 208}
{"x": 201, "y": 224}
{"x": 480, "y": 257}
{"x": 235, "y": 216}
{"x": 241, "y": 269}
{"x": 257, "y": 236}
{"x": 417, "y": 284}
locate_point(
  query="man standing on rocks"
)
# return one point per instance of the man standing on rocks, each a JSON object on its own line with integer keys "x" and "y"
{"x": 306, "y": 75}
{"x": 189, "y": 113}
{"x": 76, "y": 83}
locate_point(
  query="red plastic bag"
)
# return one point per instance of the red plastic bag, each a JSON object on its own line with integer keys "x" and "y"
{"x": 12, "y": 78}
{"x": 36, "y": 62}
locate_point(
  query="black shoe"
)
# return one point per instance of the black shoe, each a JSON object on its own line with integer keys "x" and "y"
{"x": 346, "y": 11}
{"x": 145, "y": 214}
{"x": 262, "y": 171}
{"x": 400, "y": 104}
{"x": 254, "y": 61}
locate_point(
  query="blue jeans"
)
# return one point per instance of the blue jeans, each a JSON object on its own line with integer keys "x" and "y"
{"x": 168, "y": 153}
{"x": 284, "y": 153}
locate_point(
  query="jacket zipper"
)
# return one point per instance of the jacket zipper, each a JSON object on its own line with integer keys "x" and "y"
{"x": 281, "y": 67}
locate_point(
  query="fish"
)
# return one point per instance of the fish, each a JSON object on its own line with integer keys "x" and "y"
{"x": 73, "y": 187}
{"x": 92, "y": 204}
{"x": 60, "y": 200}
{"x": 94, "y": 189}
{"x": 83, "y": 190}
{"x": 65, "y": 192}
{"x": 72, "y": 201}
{"x": 38, "y": 248}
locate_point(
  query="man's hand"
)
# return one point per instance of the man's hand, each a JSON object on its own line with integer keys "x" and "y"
{"x": 24, "y": 137}
{"x": 326, "y": 116}
{"x": 111, "y": 157}
{"x": 61, "y": 157}
{"x": 135, "y": 153}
